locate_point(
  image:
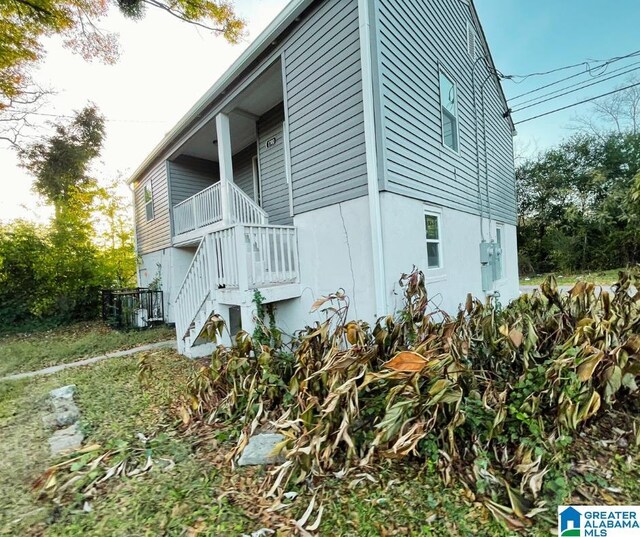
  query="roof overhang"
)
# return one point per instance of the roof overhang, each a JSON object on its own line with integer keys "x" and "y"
{"x": 285, "y": 18}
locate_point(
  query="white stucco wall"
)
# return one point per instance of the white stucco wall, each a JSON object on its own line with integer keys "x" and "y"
{"x": 334, "y": 246}
{"x": 404, "y": 246}
{"x": 171, "y": 264}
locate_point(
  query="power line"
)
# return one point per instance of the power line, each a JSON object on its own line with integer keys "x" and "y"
{"x": 581, "y": 87}
{"x": 578, "y": 103}
{"x": 588, "y": 71}
{"x": 586, "y": 64}
{"x": 63, "y": 116}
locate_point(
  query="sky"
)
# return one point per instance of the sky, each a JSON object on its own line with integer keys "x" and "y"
{"x": 534, "y": 36}
{"x": 166, "y": 65}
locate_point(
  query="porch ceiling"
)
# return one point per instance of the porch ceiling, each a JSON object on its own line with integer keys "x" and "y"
{"x": 262, "y": 94}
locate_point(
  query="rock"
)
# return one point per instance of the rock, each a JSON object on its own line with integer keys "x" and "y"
{"x": 66, "y": 439}
{"x": 64, "y": 417}
{"x": 261, "y": 450}
{"x": 622, "y": 443}
{"x": 67, "y": 417}
{"x": 66, "y": 392}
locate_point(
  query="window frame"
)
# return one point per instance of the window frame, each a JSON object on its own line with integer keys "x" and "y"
{"x": 443, "y": 72}
{"x": 148, "y": 187}
{"x": 438, "y": 216}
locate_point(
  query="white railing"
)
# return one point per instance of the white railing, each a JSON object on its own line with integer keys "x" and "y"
{"x": 205, "y": 208}
{"x": 195, "y": 288}
{"x": 272, "y": 255}
{"x": 243, "y": 209}
{"x": 240, "y": 257}
{"x": 200, "y": 210}
{"x": 225, "y": 246}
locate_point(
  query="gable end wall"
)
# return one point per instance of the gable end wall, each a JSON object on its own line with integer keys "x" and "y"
{"x": 415, "y": 38}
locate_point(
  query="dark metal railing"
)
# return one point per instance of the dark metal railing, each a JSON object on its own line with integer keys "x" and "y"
{"x": 137, "y": 307}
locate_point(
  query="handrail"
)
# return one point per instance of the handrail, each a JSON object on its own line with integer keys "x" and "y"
{"x": 253, "y": 207}
{"x": 184, "y": 280}
{"x": 199, "y": 210}
{"x": 239, "y": 257}
{"x": 206, "y": 207}
{"x": 194, "y": 291}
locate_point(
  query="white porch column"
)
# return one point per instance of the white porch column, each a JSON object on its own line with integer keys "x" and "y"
{"x": 225, "y": 156}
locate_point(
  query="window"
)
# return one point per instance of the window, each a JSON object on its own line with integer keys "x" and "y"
{"x": 449, "y": 108}
{"x": 434, "y": 248}
{"x": 148, "y": 201}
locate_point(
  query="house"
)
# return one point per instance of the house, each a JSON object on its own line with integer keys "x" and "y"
{"x": 351, "y": 141}
{"x": 570, "y": 521}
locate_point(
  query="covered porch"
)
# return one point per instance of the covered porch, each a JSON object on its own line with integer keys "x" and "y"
{"x": 233, "y": 168}
{"x": 230, "y": 197}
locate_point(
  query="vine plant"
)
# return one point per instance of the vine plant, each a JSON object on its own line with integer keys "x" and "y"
{"x": 263, "y": 333}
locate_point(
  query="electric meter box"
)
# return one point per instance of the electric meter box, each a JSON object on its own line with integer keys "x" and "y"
{"x": 490, "y": 264}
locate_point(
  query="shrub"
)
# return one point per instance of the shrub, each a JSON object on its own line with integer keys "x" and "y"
{"x": 492, "y": 397}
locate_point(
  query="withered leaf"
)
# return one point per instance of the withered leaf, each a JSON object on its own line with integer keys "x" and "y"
{"x": 406, "y": 361}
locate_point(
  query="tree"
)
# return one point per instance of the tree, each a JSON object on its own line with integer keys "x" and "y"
{"x": 114, "y": 235}
{"x": 25, "y": 23}
{"x": 619, "y": 112}
{"x": 60, "y": 163}
{"x": 89, "y": 243}
{"x": 576, "y": 207}
{"x": 23, "y": 280}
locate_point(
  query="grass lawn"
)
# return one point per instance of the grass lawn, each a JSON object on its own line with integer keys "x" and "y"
{"x": 604, "y": 277}
{"x": 27, "y": 352}
{"x": 197, "y": 493}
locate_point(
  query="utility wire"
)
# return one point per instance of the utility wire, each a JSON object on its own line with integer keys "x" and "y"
{"x": 578, "y": 103}
{"x": 589, "y": 71}
{"x": 586, "y": 64}
{"x": 106, "y": 119}
{"x": 581, "y": 87}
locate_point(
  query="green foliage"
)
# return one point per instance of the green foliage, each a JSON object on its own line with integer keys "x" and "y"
{"x": 60, "y": 162}
{"x": 263, "y": 333}
{"x": 576, "y": 205}
{"x": 23, "y": 250}
{"x": 55, "y": 272}
{"x": 25, "y": 23}
{"x": 492, "y": 398}
{"x": 38, "y": 349}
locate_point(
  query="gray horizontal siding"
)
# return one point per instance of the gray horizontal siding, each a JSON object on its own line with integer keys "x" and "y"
{"x": 273, "y": 177}
{"x": 243, "y": 169}
{"x": 155, "y": 234}
{"x": 414, "y": 38}
{"x": 324, "y": 107}
{"x": 190, "y": 175}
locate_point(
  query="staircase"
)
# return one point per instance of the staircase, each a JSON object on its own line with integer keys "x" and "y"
{"x": 229, "y": 265}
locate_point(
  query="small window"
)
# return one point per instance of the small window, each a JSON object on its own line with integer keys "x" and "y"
{"x": 449, "y": 108}
{"x": 434, "y": 248}
{"x": 148, "y": 201}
